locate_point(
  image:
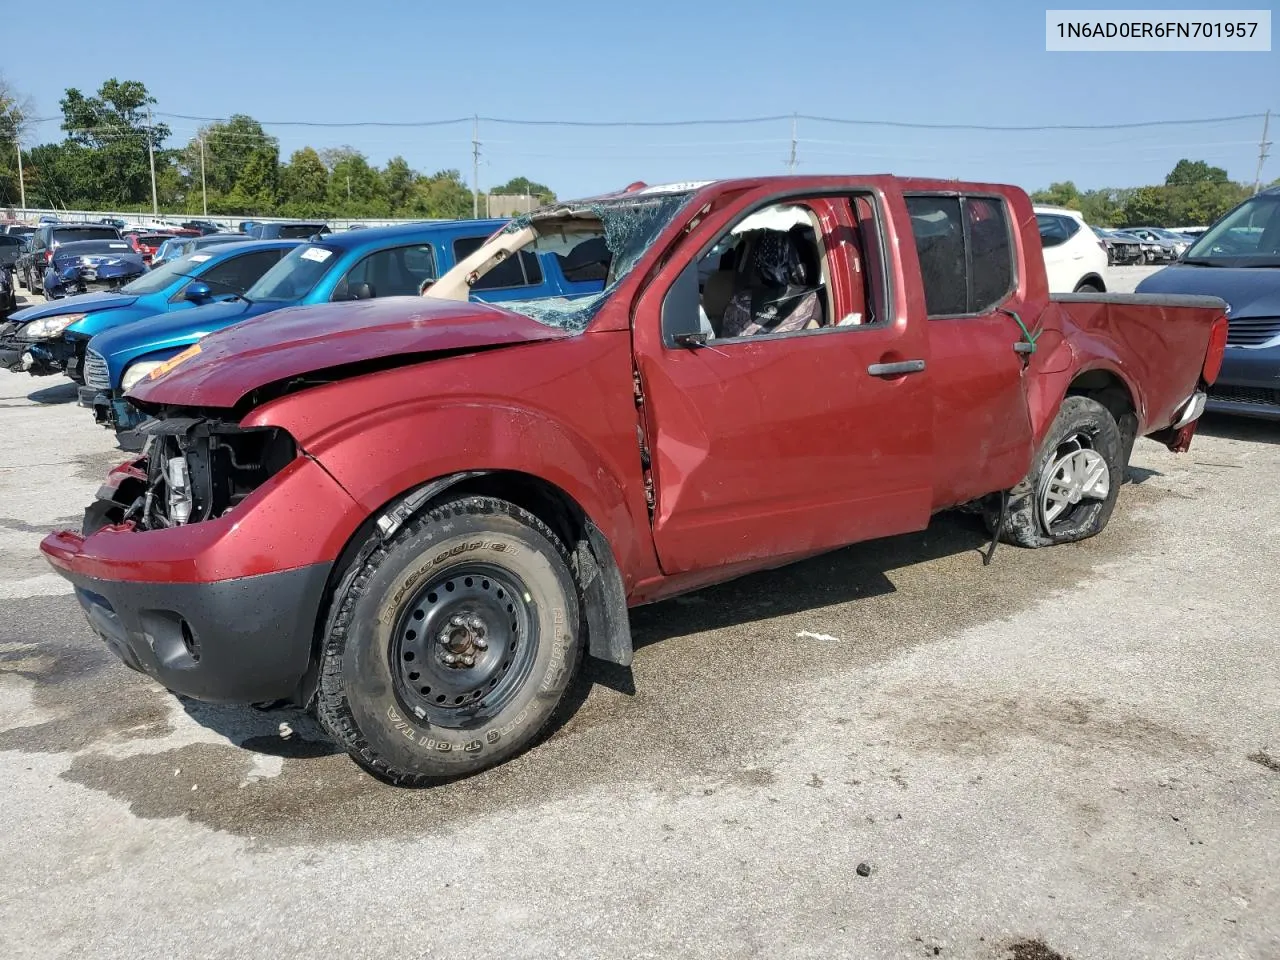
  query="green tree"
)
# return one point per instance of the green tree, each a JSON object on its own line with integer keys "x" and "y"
{"x": 355, "y": 188}
{"x": 398, "y": 179}
{"x": 1147, "y": 206}
{"x": 1194, "y": 171}
{"x": 1062, "y": 194}
{"x": 1102, "y": 207}
{"x": 304, "y": 184}
{"x": 225, "y": 151}
{"x": 441, "y": 196}
{"x": 115, "y": 127}
{"x": 523, "y": 186}
{"x": 14, "y": 111}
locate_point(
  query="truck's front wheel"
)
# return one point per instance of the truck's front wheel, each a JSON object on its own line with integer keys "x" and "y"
{"x": 452, "y": 645}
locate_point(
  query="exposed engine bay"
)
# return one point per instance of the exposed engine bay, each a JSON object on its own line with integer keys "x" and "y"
{"x": 192, "y": 469}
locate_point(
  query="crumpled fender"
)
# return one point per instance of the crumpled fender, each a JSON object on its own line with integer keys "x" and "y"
{"x": 554, "y": 415}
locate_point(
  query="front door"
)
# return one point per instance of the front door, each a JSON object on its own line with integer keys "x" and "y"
{"x": 805, "y": 421}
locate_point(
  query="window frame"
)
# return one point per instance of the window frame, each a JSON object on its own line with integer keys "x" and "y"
{"x": 342, "y": 280}
{"x": 527, "y": 285}
{"x": 1060, "y": 218}
{"x": 1015, "y": 249}
{"x": 792, "y": 196}
{"x": 181, "y": 293}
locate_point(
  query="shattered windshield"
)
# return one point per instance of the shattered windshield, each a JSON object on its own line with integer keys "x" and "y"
{"x": 595, "y": 244}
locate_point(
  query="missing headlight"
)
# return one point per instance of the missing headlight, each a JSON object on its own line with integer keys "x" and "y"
{"x": 200, "y": 469}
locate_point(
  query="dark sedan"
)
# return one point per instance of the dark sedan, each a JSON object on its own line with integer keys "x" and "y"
{"x": 1238, "y": 259}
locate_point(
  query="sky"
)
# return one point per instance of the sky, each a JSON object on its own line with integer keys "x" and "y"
{"x": 917, "y": 62}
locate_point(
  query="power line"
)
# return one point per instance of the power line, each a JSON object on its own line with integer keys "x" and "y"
{"x": 721, "y": 121}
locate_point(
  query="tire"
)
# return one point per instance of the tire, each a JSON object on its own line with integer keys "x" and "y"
{"x": 1082, "y": 424}
{"x": 20, "y": 279}
{"x": 1087, "y": 287}
{"x": 445, "y": 582}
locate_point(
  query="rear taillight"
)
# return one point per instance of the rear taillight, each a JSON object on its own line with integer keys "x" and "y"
{"x": 48, "y": 255}
{"x": 1217, "y": 346}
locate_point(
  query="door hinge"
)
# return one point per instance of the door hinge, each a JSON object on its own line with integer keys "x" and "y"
{"x": 637, "y": 389}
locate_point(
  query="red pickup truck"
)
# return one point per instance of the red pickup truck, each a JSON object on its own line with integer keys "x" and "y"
{"x": 418, "y": 514}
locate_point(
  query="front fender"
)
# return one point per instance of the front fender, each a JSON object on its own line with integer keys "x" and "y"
{"x": 563, "y": 413}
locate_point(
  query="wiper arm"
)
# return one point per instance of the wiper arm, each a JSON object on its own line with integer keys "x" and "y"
{"x": 1199, "y": 262}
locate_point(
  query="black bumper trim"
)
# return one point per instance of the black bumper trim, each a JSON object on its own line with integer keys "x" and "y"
{"x": 247, "y": 640}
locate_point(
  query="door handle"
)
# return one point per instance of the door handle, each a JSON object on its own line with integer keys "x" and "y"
{"x": 895, "y": 369}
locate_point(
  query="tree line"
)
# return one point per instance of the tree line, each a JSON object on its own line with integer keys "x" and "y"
{"x": 232, "y": 167}
{"x": 1194, "y": 194}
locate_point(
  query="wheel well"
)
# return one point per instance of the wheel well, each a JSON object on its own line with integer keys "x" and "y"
{"x": 1109, "y": 390}
{"x": 1092, "y": 279}
{"x": 594, "y": 567}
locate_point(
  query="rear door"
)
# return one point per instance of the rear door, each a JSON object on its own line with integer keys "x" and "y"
{"x": 969, "y": 260}
{"x": 778, "y": 442}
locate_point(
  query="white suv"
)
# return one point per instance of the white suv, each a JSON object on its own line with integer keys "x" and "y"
{"x": 1074, "y": 257}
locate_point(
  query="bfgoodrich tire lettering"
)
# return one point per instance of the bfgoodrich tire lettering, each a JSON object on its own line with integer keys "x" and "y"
{"x": 389, "y": 725}
{"x": 1082, "y": 424}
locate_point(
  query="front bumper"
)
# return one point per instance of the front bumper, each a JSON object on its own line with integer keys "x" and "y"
{"x": 39, "y": 357}
{"x": 232, "y": 641}
{"x": 1249, "y": 384}
{"x": 224, "y": 610}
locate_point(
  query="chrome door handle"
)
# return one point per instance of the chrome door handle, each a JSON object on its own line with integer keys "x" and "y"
{"x": 895, "y": 369}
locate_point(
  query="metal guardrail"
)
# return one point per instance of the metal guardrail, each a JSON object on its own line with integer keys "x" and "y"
{"x": 33, "y": 215}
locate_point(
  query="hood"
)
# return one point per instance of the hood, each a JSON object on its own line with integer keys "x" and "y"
{"x": 168, "y": 331}
{"x": 84, "y": 303}
{"x": 226, "y": 366}
{"x": 1251, "y": 291}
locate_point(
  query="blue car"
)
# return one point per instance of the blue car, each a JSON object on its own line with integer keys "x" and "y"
{"x": 1238, "y": 259}
{"x": 353, "y": 265}
{"x": 52, "y": 337}
{"x": 86, "y": 266}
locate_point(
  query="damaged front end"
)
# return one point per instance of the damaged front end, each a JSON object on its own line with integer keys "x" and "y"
{"x": 192, "y": 469}
{"x": 193, "y": 566}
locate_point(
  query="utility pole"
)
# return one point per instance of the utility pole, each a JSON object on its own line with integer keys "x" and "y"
{"x": 22, "y": 184}
{"x": 1262, "y": 151}
{"x": 204, "y": 189}
{"x": 151, "y": 156}
{"x": 791, "y": 160}
{"x": 475, "y": 167}
{"x": 348, "y": 186}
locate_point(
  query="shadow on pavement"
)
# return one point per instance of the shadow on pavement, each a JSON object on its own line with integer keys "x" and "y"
{"x": 851, "y": 573}
{"x": 65, "y": 392}
{"x": 1239, "y": 428}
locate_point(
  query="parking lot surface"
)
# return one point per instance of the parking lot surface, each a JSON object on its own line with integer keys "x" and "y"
{"x": 1074, "y": 751}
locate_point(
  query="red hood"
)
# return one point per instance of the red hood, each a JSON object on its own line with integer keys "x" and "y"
{"x": 299, "y": 340}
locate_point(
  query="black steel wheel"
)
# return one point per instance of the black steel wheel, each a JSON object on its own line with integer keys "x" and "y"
{"x": 450, "y": 647}
{"x": 457, "y": 651}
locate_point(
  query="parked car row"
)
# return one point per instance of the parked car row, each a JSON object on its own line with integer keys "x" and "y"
{"x": 109, "y": 340}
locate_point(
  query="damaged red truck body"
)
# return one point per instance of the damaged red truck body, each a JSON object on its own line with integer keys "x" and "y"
{"x": 418, "y": 514}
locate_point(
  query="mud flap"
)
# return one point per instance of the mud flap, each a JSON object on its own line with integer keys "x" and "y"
{"x": 605, "y": 599}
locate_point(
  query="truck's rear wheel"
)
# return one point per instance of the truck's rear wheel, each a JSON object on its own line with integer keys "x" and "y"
{"x": 1075, "y": 480}
{"x": 452, "y": 645}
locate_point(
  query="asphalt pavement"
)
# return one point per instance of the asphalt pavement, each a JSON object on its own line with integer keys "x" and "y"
{"x": 890, "y": 751}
